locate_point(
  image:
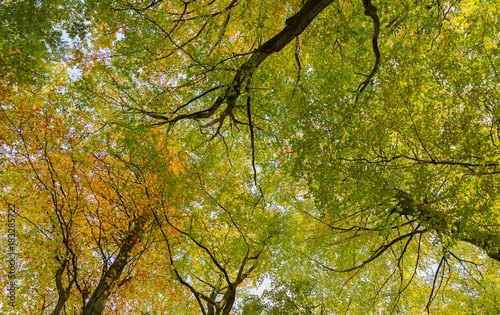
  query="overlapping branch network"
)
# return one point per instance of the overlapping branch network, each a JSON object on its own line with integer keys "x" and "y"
{"x": 295, "y": 25}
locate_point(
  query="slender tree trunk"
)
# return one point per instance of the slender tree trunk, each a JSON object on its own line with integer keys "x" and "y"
{"x": 61, "y": 291}
{"x": 109, "y": 280}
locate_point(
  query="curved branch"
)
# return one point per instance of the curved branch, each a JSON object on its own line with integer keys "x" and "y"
{"x": 379, "y": 251}
{"x": 371, "y": 11}
{"x": 294, "y": 27}
{"x": 63, "y": 292}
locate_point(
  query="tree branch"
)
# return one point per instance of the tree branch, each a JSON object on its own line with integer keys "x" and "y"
{"x": 294, "y": 27}
{"x": 486, "y": 239}
{"x": 371, "y": 11}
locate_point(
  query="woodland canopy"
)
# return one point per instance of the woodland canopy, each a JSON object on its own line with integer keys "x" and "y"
{"x": 250, "y": 157}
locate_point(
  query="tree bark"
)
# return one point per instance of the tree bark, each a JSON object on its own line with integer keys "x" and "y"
{"x": 295, "y": 25}
{"x": 482, "y": 237}
{"x": 61, "y": 291}
{"x": 109, "y": 280}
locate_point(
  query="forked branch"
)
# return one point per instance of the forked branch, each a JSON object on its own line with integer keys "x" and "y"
{"x": 295, "y": 25}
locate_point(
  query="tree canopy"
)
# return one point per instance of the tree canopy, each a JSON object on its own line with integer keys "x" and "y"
{"x": 250, "y": 157}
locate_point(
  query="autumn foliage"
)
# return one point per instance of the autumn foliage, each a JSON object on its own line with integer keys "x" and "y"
{"x": 250, "y": 157}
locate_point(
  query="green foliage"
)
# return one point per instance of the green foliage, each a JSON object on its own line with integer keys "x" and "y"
{"x": 217, "y": 145}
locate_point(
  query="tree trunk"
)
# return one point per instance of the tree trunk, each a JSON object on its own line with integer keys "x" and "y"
{"x": 109, "y": 280}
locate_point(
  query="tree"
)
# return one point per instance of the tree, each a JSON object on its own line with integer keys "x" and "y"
{"x": 352, "y": 142}
{"x": 31, "y": 37}
{"x": 88, "y": 210}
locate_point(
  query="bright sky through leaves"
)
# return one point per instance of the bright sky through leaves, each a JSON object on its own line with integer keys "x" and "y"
{"x": 171, "y": 157}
